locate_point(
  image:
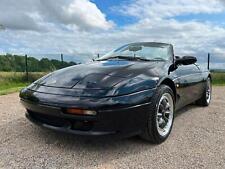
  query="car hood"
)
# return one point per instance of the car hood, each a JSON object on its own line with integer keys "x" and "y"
{"x": 118, "y": 76}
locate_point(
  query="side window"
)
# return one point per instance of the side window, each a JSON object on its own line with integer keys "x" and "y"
{"x": 187, "y": 69}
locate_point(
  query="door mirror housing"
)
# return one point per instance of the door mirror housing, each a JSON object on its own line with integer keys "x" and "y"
{"x": 186, "y": 60}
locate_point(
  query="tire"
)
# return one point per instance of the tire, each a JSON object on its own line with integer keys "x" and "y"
{"x": 152, "y": 131}
{"x": 207, "y": 94}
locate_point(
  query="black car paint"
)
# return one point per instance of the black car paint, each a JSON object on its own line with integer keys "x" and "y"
{"x": 119, "y": 90}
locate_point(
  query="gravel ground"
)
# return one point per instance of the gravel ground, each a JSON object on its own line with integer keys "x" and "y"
{"x": 197, "y": 141}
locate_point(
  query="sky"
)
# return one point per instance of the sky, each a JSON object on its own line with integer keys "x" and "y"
{"x": 83, "y": 28}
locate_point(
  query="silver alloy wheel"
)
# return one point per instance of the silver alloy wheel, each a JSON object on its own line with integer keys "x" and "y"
{"x": 165, "y": 112}
{"x": 208, "y": 90}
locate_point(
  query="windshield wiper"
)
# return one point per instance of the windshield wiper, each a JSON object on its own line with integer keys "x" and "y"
{"x": 158, "y": 59}
{"x": 125, "y": 58}
{"x": 115, "y": 57}
{"x": 141, "y": 58}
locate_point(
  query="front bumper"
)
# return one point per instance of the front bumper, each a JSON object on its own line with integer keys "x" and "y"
{"x": 67, "y": 127}
{"x": 125, "y": 121}
{"x": 115, "y": 115}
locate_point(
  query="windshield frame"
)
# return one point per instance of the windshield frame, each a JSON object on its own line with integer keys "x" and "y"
{"x": 113, "y": 54}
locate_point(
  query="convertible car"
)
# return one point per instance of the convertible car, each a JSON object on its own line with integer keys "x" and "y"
{"x": 133, "y": 90}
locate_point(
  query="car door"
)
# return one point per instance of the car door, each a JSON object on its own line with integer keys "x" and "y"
{"x": 189, "y": 81}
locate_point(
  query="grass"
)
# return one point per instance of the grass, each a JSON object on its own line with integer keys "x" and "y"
{"x": 218, "y": 79}
{"x": 6, "y": 89}
{"x": 11, "y": 82}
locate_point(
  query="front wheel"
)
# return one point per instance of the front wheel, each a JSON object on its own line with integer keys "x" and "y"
{"x": 161, "y": 116}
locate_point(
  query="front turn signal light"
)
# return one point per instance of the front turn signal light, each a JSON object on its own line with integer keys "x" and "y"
{"x": 77, "y": 111}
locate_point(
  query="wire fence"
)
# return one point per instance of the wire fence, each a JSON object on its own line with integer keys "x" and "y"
{"x": 215, "y": 62}
{"x": 36, "y": 62}
{"x": 30, "y": 63}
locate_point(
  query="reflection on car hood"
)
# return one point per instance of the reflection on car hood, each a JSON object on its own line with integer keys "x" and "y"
{"x": 105, "y": 75}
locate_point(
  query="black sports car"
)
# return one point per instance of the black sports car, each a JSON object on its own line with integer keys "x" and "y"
{"x": 133, "y": 90}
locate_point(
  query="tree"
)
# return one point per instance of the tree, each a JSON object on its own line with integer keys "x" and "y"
{"x": 16, "y": 63}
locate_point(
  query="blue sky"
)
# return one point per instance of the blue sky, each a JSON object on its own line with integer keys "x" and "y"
{"x": 109, "y": 8}
{"x": 83, "y": 28}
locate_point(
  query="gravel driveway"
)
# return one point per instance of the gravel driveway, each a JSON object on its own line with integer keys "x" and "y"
{"x": 197, "y": 141}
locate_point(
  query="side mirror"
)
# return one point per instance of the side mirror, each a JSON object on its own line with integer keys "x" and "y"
{"x": 186, "y": 60}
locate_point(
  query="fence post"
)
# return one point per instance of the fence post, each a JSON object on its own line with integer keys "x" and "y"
{"x": 61, "y": 57}
{"x": 208, "y": 60}
{"x": 61, "y": 60}
{"x": 26, "y": 68}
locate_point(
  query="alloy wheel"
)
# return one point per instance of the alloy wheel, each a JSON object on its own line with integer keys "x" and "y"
{"x": 165, "y": 111}
{"x": 208, "y": 91}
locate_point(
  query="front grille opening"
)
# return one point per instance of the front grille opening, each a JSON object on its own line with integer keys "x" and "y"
{"x": 82, "y": 125}
{"x": 62, "y": 122}
{"x": 46, "y": 119}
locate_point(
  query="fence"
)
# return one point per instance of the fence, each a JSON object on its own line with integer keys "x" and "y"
{"x": 213, "y": 61}
{"x": 29, "y": 63}
{"x": 32, "y": 64}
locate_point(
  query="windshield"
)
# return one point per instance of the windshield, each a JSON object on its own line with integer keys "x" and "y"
{"x": 144, "y": 51}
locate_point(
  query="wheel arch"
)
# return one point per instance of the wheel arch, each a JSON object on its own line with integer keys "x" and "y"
{"x": 210, "y": 76}
{"x": 171, "y": 84}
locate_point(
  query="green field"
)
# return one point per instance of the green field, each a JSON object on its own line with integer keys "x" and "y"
{"x": 14, "y": 81}
{"x": 218, "y": 78}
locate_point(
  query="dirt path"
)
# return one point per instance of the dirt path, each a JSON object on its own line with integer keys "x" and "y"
{"x": 197, "y": 141}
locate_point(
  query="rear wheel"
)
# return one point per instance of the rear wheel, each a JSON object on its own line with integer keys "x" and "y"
{"x": 161, "y": 116}
{"x": 206, "y": 96}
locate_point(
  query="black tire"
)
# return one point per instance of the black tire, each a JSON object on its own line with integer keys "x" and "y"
{"x": 151, "y": 132}
{"x": 203, "y": 101}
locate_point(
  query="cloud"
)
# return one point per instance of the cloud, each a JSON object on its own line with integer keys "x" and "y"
{"x": 14, "y": 15}
{"x": 155, "y": 9}
{"x": 19, "y": 22}
{"x": 79, "y": 13}
{"x": 70, "y": 27}
{"x": 37, "y": 15}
